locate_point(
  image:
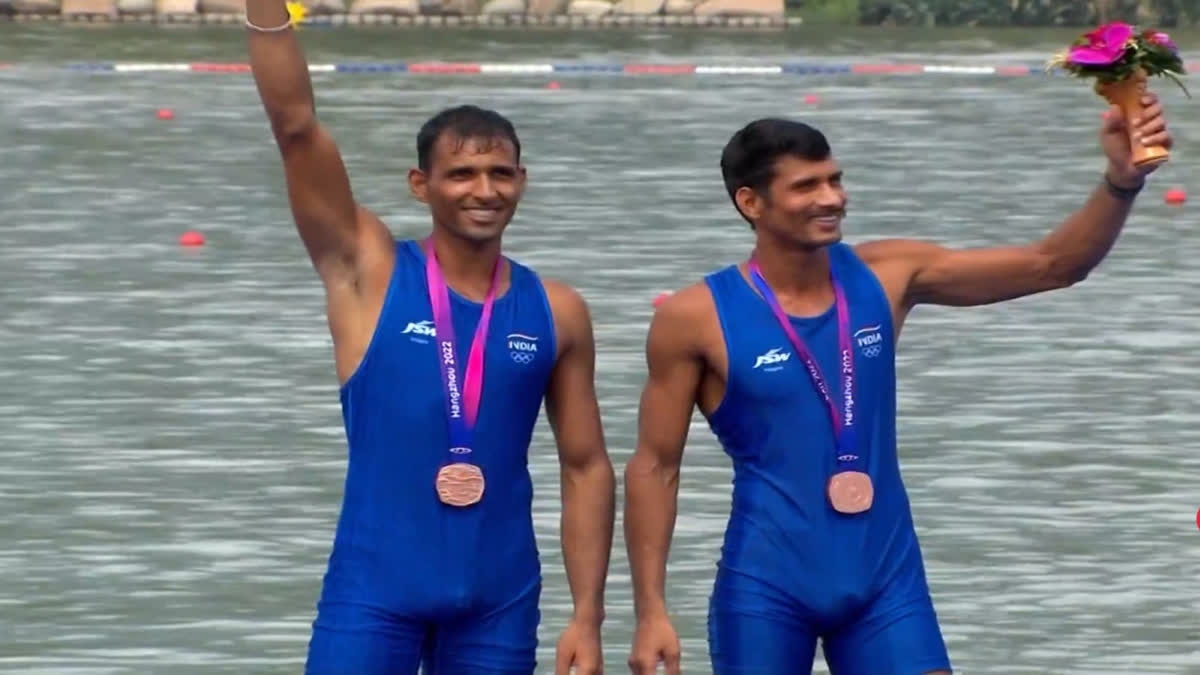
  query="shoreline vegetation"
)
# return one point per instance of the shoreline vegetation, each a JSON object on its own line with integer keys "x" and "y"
{"x": 999, "y": 13}
{"x": 759, "y": 14}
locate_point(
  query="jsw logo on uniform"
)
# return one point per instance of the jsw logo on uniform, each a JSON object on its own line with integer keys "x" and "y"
{"x": 420, "y": 328}
{"x": 776, "y": 355}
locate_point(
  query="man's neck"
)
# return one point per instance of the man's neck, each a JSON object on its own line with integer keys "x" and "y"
{"x": 466, "y": 265}
{"x": 792, "y": 269}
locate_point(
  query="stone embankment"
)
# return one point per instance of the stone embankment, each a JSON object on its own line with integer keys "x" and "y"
{"x": 717, "y": 13}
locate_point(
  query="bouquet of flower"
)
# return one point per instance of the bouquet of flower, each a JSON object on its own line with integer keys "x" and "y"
{"x": 1121, "y": 60}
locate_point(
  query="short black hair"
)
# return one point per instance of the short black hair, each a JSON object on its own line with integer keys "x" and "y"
{"x": 465, "y": 122}
{"x": 750, "y": 155}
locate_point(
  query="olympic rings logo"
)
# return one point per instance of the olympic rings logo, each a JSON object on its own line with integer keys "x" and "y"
{"x": 872, "y": 351}
{"x": 523, "y": 358}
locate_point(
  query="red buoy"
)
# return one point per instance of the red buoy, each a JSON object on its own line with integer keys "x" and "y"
{"x": 191, "y": 238}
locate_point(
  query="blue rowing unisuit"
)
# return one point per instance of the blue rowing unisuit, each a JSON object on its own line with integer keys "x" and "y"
{"x": 792, "y": 569}
{"x": 410, "y": 577}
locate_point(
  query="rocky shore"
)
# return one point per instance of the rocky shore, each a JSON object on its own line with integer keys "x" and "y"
{"x": 716, "y": 13}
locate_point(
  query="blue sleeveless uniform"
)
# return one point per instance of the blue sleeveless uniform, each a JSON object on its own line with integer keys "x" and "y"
{"x": 410, "y": 579}
{"x": 792, "y": 569}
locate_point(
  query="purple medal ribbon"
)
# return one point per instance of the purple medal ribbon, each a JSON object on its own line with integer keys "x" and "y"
{"x": 843, "y": 420}
{"x": 462, "y": 404}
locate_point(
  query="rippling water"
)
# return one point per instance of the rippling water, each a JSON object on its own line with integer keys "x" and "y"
{"x": 172, "y": 447}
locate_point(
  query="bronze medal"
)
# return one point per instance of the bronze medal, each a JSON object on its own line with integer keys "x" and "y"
{"x": 460, "y": 484}
{"x": 851, "y": 492}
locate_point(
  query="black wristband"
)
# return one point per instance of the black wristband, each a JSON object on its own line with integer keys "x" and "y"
{"x": 1122, "y": 193}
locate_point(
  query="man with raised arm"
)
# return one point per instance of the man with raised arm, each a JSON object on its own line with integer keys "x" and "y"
{"x": 444, "y": 351}
{"x": 789, "y": 356}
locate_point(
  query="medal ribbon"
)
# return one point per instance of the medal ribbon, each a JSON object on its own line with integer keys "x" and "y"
{"x": 462, "y": 395}
{"x": 843, "y": 420}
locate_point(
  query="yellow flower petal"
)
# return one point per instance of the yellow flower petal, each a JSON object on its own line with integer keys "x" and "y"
{"x": 297, "y": 12}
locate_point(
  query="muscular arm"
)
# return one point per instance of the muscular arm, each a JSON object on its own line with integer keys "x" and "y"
{"x": 588, "y": 483}
{"x": 918, "y": 272}
{"x": 318, "y": 187}
{"x": 351, "y": 250}
{"x": 652, "y": 474}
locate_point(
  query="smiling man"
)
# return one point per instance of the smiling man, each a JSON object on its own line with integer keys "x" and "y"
{"x": 790, "y": 357}
{"x": 444, "y": 350}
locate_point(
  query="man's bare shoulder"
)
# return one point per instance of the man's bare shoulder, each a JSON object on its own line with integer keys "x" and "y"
{"x": 374, "y": 256}
{"x": 570, "y": 314}
{"x": 689, "y": 303}
{"x": 684, "y": 319}
{"x": 374, "y": 232}
{"x": 363, "y": 269}
{"x": 887, "y": 251}
{"x": 895, "y": 262}
{"x": 567, "y": 304}
{"x": 564, "y": 298}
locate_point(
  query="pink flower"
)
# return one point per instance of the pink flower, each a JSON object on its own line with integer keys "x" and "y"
{"x": 1105, "y": 45}
{"x": 1164, "y": 40}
